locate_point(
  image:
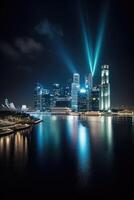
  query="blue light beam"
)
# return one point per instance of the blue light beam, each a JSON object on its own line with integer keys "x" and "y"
{"x": 63, "y": 54}
{"x": 87, "y": 45}
{"x": 99, "y": 40}
{"x": 67, "y": 59}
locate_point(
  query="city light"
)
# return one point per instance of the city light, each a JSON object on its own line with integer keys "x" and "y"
{"x": 82, "y": 90}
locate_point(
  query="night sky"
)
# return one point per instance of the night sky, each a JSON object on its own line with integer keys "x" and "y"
{"x": 41, "y": 41}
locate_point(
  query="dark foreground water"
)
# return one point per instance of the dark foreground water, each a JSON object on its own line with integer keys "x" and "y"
{"x": 68, "y": 156}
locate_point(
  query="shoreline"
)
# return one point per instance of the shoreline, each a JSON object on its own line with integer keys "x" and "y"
{"x": 88, "y": 114}
{"x": 8, "y": 130}
{"x": 18, "y": 127}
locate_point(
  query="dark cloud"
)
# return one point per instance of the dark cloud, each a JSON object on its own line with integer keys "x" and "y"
{"x": 9, "y": 50}
{"x": 21, "y": 47}
{"x": 28, "y": 45}
{"x": 22, "y": 52}
{"x": 49, "y": 29}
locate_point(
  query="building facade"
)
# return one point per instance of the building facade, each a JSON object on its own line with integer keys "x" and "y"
{"x": 74, "y": 91}
{"x": 56, "y": 90}
{"x": 82, "y": 100}
{"x": 95, "y": 94}
{"x": 38, "y": 97}
{"x": 89, "y": 81}
{"x": 89, "y": 86}
{"x": 41, "y": 98}
{"x": 46, "y": 100}
{"x": 105, "y": 89}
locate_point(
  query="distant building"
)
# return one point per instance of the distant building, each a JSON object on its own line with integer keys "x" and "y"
{"x": 38, "y": 97}
{"x": 60, "y": 96}
{"x": 60, "y": 111}
{"x": 24, "y": 108}
{"x": 95, "y": 93}
{"x": 12, "y": 106}
{"x": 67, "y": 91}
{"x": 41, "y": 98}
{"x": 89, "y": 86}
{"x": 74, "y": 95}
{"x": 82, "y": 100}
{"x": 46, "y": 100}
{"x": 8, "y": 105}
{"x": 52, "y": 100}
{"x": 63, "y": 102}
{"x": 74, "y": 91}
{"x": 55, "y": 93}
{"x": 56, "y": 90}
{"x": 89, "y": 81}
{"x": 105, "y": 89}
{"x": 76, "y": 78}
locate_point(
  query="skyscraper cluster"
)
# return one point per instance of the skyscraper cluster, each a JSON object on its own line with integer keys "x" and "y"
{"x": 41, "y": 98}
{"x": 79, "y": 97}
{"x": 57, "y": 96}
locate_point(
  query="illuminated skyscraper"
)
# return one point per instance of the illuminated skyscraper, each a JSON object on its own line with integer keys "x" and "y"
{"x": 41, "y": 98}
{"x": 89, "y": 81}
{"x": 74, "y": 91}
{"x": 105, "y": 89}
{"x": 89, "y": 86}
{"x": 56, "y": 90}
{"x": 55, "y": 93}
{"x": 82, "y": 100}
{"x": 76, "y": 78}
{"x": 45, "y": 100}
{"x": 95, "y": 98}
{"x": 38, "y": 97}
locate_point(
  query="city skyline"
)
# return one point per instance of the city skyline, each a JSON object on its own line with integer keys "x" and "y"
{"x": 48, "y": 46}
{"x": 66, "y": 99}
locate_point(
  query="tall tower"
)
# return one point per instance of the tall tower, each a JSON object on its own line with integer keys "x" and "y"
{"x": 105, "y": 89}
{"x": 38, "y": 97}
{"x": 89, "y": 81}
{"x": 89, "y": 86}
{"x": 74, "y": 91}
{"x": 76, "y": 78}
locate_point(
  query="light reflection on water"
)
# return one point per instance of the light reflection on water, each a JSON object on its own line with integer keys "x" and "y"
{"x": 79, "y": 138}
{"x": 87, "y": 137}
{"x": 101, "y": 138}
{"x": 14, "y": 149}
{"x": 72, "y": 129}
{"x": 107, "y": 138}
{"x": 83, "y": 152}
{"x": 48, "y": 138}
{"x": 133, "y": 124}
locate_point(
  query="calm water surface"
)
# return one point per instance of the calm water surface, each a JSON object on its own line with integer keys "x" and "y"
{"x": 86, "y": 156}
